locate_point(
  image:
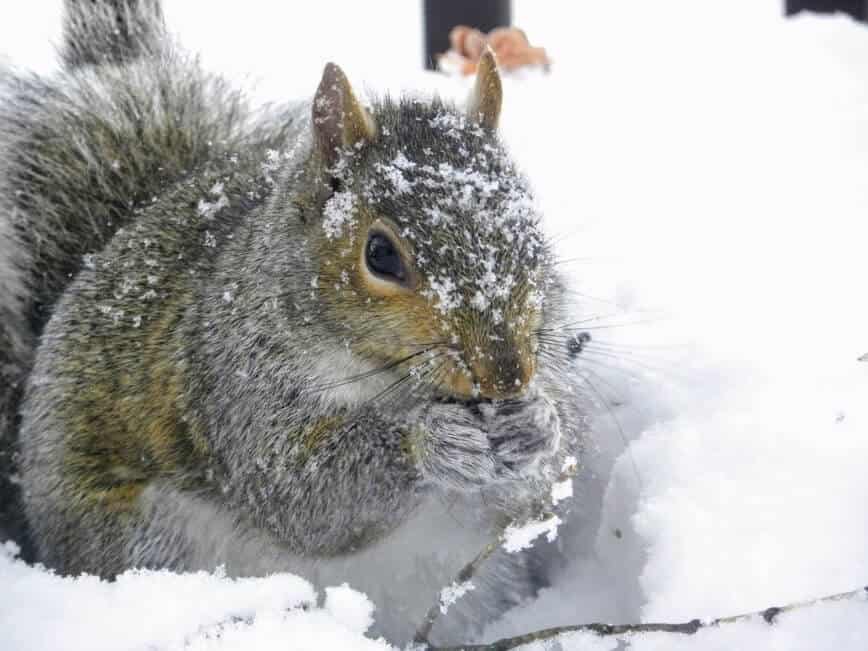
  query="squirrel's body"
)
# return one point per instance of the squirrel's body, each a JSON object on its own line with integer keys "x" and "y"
{"x": 293, "y": 344}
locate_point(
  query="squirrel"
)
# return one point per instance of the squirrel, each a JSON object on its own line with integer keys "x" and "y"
{"x": 300, "y": 338}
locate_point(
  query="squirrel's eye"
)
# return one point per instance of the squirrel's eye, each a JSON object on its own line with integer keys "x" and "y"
{"x": 382, "y": 258}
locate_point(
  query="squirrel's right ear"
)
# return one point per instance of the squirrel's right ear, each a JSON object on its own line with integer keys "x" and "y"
{"x": 485, "y": 100}
{"x": 339, "y": 120}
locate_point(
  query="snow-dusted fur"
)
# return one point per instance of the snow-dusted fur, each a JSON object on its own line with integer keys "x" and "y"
{"x": 78, "y": 153}
{"x": 217, "y": 385}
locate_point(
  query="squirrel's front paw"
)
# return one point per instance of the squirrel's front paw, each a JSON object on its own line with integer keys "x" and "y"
{"x": 522, "y": 432}
{"x": 454, "y": 448}
{"x": 470, "y": 445}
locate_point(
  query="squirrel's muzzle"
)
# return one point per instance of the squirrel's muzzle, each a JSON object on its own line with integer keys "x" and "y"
{"x": 502, "y": 367}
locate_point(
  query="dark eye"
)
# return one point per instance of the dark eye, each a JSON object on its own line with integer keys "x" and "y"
{"x": 382, "y": 258}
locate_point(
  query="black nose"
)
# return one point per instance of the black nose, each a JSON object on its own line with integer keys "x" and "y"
{"x": 576, "y": 343}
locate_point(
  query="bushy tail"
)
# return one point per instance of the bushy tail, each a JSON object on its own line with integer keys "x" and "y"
{"x": 54, "y": 204}
{"x": 79, "y": 153}
{"x": 111, "y": 31}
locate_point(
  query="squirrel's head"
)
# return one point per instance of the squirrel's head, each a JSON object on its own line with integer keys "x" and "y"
{"x": 427, "y": 238}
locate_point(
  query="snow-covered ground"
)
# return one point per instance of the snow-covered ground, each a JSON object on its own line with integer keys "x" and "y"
{"x": 704, "y": 168}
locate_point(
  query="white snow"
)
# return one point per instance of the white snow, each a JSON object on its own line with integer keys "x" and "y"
{"x": 443, "y": 293}
{"x": 452, "y": 593}
{"x": 162, "y": 610}
{"x": 562, "y": 490}
{"x": 519, "y": 537}
{"x": 703, "y": 168}
{"x": 338, "y": 213}
{"x": 352, "y": 609}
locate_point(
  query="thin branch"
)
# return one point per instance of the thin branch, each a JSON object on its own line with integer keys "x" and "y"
{"x": 466, "y": 573}
{"x": 470, "y": 569}
{"x": 769, "y": 615}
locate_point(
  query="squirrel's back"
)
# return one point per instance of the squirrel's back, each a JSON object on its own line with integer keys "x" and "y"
{"x": 81, "y": 151}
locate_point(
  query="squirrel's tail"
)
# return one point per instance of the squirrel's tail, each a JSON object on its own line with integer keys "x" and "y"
{"x": 111, "y": 31}
{"x": 58, "y": 197}
{"x": 82, "y": 151}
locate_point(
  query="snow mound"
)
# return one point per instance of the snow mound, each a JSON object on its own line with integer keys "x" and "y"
{"x": 163, "y": 610}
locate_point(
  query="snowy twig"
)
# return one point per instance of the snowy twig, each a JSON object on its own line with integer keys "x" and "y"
{"x": 617, "y": 630}
{"x": 467, "y": 572}
{"x": 512, "y": 537}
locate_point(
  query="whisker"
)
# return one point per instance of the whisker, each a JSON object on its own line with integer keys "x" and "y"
{"x": 614, "y": 391}
{"x": 437, "y": 377}
{"x": 565, "y": 236}
{"x": 617, "y": 313}
{"x": 412, "y": 373}
{"x": 627, "y": 373}
{"x": 620, "y": 430}
{"x": 590, "y": 319}
{"x": 631, "y": 347}
{"x": 590, "y": 350}
{"x": 575, "y": 292}
{"x": 419, "y": 376}
{"x": 368, "y": 374}
{"x": 353, "y": 418}
{"x": 591, "y": 258}
{"x": 570, "y": 327}
{"x": 656, "y": 359}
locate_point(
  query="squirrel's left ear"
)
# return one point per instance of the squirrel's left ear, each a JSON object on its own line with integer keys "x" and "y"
{"x": 487, "y": 94}
{"x": 339, "y": 120}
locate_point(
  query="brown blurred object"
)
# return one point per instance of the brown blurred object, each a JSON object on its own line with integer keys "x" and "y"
{"x": 510, "y": 45}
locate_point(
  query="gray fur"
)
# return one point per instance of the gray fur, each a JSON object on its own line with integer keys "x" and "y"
{"x": 78, "y": 153}
{"x": 111, "y": 31}
{"x": 200, "y": 222}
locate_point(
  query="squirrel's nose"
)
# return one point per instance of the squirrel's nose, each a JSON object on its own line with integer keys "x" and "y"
{"x": 503, "y": 372}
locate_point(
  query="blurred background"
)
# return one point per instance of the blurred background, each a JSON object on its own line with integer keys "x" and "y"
{"x": 398, "y": 34}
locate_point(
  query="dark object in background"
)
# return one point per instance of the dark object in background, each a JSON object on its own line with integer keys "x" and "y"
{"x": 509, "y": 44}
{"x": 442, "y": 15}
{"x": 858, "y": 9}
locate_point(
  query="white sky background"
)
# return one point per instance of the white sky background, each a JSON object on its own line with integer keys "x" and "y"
{"x": 707, "y": 162}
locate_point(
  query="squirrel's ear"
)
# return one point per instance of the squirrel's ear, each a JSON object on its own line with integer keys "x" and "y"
{"x": 487, "y": 94}
{"x": 339, "y": 121}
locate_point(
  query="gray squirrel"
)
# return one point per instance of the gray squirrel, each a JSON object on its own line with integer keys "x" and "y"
{"x": 301, "y": 338}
